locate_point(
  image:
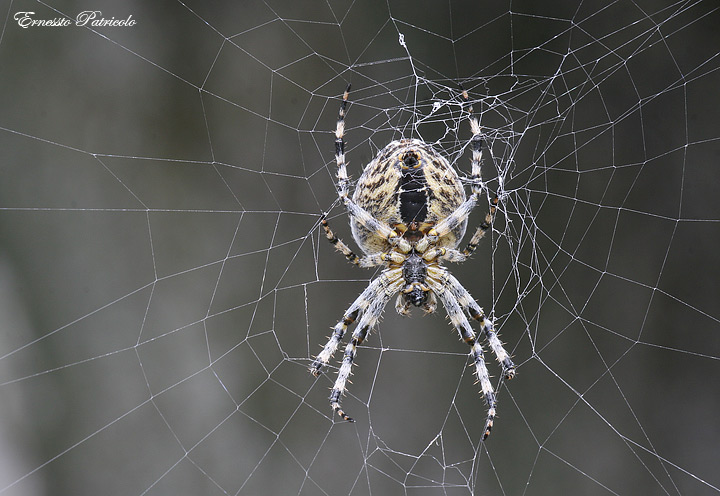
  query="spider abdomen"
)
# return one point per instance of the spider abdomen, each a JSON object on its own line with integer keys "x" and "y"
{"x": 407, "y": 183}
{"x": 412, "y": 193}
{"x": 413, "y": 197}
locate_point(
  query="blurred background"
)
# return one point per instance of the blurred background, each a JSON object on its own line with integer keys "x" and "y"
{"x": 164, "y": 284}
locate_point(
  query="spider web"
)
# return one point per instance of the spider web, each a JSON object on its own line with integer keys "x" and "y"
{"x": 165, "y": 284}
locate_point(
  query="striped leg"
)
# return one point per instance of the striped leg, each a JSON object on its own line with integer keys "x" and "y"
{"x": 453, "y": 255}
{"x": 455, "y": 298}
{"x": 332, "y": 345}
{"x": 359, "y": 306}
{"x": 340, "y": 147}
{"x": 458, "y": 319}
{"x": 366, "y": 261}
{"x": 466, "y": 302}
{"x": 338, "y": 243}
{"x": 481, "y": 230}
{"x": 356, "y": 211}
{"x": 363, "y": 216}
{"x": 476, "y": 145}
{"x": 461, "y": 213}
{"x": 376, "y": 297}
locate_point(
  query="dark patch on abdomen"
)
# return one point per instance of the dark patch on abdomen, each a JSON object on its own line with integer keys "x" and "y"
{"x": 413, "y": 199}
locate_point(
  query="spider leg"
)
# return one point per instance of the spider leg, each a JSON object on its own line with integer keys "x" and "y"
{"x": 460, "y": 322}
{"x": 337, "y": 243}
{"x": 385, "y": 286}
{"x": 366, "y": 261}
{"x": 476, "y": 147}
{"x": 363, "y": 216}
{"x": 340, "y": 147}
{"x": 456, "y": 218}
{"x": 360, "y": 304}
{"x": 331, "y": 347}
{"x": 360, "y": 214}
{"x": 462, "y": 212}
{"x": 468, "y": 303}
{"x": 369, "y": 305}
{"x": 483, "y": 228}
{"x": 454, "y": 255}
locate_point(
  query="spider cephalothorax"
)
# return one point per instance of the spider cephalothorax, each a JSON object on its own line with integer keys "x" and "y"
{"x": 408, "y": 213}
{"x": 416, "y": 291}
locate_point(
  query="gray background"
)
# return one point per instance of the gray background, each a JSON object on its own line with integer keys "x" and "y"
{"x": 163, "y": 281}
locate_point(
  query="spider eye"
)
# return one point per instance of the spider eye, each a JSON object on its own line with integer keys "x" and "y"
{"x": 410, "y": 160}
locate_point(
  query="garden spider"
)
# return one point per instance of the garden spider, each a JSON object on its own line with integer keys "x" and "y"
{"x": 409, "y": 212}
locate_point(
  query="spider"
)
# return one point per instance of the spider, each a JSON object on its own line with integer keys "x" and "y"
{"x": 409, "y": 213}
